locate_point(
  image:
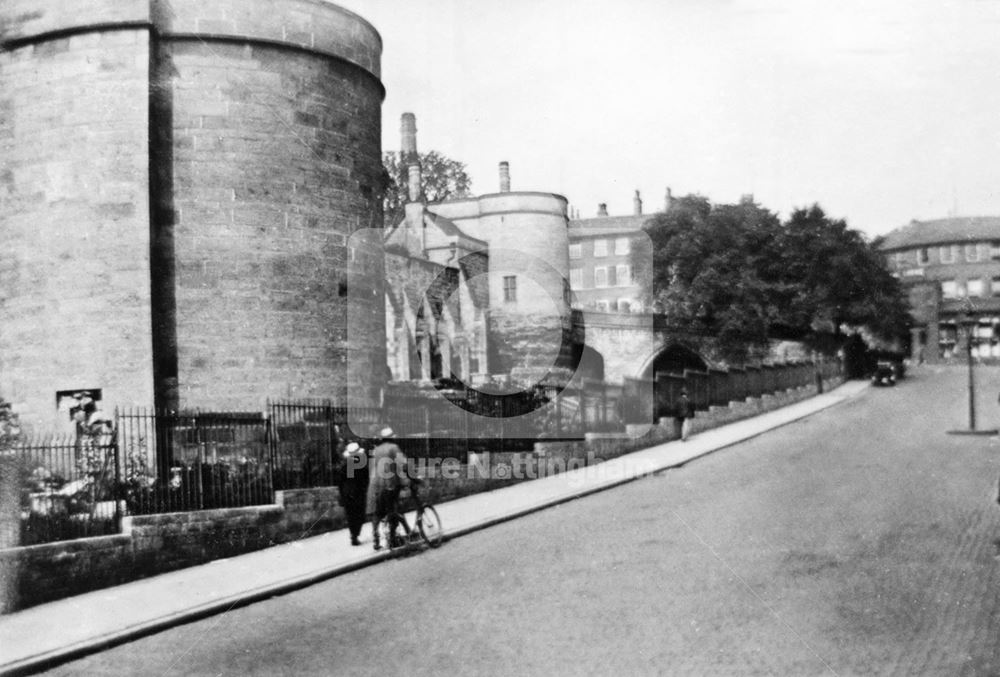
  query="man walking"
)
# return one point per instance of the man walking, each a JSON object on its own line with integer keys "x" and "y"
{"x": 352, "y": 482}
{"x": 388, "y": 477}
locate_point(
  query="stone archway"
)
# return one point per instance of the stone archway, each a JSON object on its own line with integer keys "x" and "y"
{"x": 673, "y": 359}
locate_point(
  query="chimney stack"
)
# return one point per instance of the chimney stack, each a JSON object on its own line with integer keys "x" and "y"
{"x": 637, "y": 204}
{"x": 413, "y": 182}
{"x": 504, "y": 177}
{"x": 408, "y": 133}
{"x": 602, "y": 209}
{"x": 409, "y": 156}
{"x": 669, "y": 201}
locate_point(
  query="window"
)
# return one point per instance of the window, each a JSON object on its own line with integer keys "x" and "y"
{"x": 612, "y": 276}
{"x": 575, "y": 251}
{"x": 971, "y": 253}
{"x": 510, "y": 288}
{"x": 600, "y": 247}
{"x": 923, "y": 255}
{"x": 624, "y": 306}
{"x": 623, "y": 275}
{"x": 995, "y": 249}
{"x": 948, "y": 253}
{"x": 974, "y": 287}
{"x": 576, "y": 278}
{"x": 621, "y": 246}
{"x": 995, "y": 286}
{"x": 600, "y": 277}
{"x": 602, "y": 306}
{"x": 899, "y": 258}
{"x": 949, "y": 289}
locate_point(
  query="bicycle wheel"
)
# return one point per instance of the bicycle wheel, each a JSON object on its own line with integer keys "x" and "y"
{"x": 429, "y": 525}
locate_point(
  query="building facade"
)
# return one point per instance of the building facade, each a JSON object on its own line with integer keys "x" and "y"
{"x": 950, "y": 269}
{"x": 602, "y": 253}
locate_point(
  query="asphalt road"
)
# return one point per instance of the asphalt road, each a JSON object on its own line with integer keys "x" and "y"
{"x": 860, "y": 541}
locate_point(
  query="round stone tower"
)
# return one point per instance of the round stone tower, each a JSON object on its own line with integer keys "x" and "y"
{"x": 179, "y": 183}
{"x": 530, "y": 321}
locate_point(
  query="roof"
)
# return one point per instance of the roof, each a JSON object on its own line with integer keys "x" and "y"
{"x": 449, "y": 228}
{"x": 943, "y": 231}
{"x": 608, "y": 225}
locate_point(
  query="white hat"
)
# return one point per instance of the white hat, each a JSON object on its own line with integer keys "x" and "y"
{"x": 385, "y": 432}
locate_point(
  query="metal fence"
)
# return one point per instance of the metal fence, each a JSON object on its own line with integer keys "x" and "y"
{"x": 154, "y": 462}
{"x": 193, "y": 461}
{"x": 66, "y": 488}
{"x": 646, "y": 401}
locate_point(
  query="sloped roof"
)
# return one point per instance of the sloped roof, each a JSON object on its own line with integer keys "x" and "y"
{"x": 943, "y": 231}
{"x": 608, "y": 225}
{"x": 449, "y": 228}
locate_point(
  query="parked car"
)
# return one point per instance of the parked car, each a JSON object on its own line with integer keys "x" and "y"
{"x": 885, "y": 374}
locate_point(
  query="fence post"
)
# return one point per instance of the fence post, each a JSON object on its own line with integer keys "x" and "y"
{"x": 116, "y": 494}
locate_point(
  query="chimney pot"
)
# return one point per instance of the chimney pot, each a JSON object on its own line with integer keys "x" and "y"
{"x": 637, "y": 204}
{"x": 504, "y": 177}
{"x": 602, "y": 209}
{"x": 670, "y": 200}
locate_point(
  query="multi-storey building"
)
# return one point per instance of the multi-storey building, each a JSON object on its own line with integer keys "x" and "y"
{"x": 950, "y": 269}
{"x": 602, "y": 253}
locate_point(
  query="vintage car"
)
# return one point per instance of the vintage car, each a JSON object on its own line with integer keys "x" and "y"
{"x": 885, "y": 373}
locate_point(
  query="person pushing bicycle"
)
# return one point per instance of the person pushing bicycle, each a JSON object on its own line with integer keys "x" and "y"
{"x": 388, "y": 478}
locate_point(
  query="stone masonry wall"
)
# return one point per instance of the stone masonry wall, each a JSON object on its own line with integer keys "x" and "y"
{"x": 154, "y": 544}
{"x": 277, "y": 161}
{"x": 74, "y": 209}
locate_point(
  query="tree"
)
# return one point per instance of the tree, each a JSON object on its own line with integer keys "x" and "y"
{"x": 739, "y": 275}
{"x": 441, "y": 178}
{"x": 713, "y": 272}
{"x": 840, "y": 279}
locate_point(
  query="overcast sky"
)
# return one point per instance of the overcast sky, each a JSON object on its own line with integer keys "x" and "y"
{"x": 879, "y": 110}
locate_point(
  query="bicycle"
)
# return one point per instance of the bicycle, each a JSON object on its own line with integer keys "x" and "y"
{"x": 427, "y": 526}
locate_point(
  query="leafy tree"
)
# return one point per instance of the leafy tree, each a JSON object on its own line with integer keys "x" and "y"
{"x": 713, "y": 272}
{"x": 839, "y": 278}
{"x": 441, "y": 179}
{"x": 736, "y": 273}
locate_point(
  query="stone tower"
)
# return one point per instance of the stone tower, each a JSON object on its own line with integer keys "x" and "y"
{"x": 530, "y": 323}
{"x": 179, "y": 181}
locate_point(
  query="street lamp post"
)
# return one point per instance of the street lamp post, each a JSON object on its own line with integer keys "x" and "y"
{"x": 970, "y": 321}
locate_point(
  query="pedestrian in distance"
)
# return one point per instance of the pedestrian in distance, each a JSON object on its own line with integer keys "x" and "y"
{"x": 352, "y": 483}
{"x": 685, "y": 412}
{"x": 388, "y": 476}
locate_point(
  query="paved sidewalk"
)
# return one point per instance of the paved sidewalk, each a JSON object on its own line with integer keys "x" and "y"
{"x": 49, "y": 633}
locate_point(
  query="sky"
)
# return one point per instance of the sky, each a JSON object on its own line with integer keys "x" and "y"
{"x": 880, "y": 111}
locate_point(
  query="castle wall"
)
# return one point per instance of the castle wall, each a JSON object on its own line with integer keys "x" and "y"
{"x": 181, "y": 181}
{"x": 74, "y": 209}
{"x": 277, "y": 162}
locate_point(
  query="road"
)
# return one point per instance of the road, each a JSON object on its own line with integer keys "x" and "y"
{"x": 860, "y": 541}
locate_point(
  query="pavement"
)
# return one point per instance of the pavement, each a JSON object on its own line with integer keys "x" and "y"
{"x": 48, "y": 634}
